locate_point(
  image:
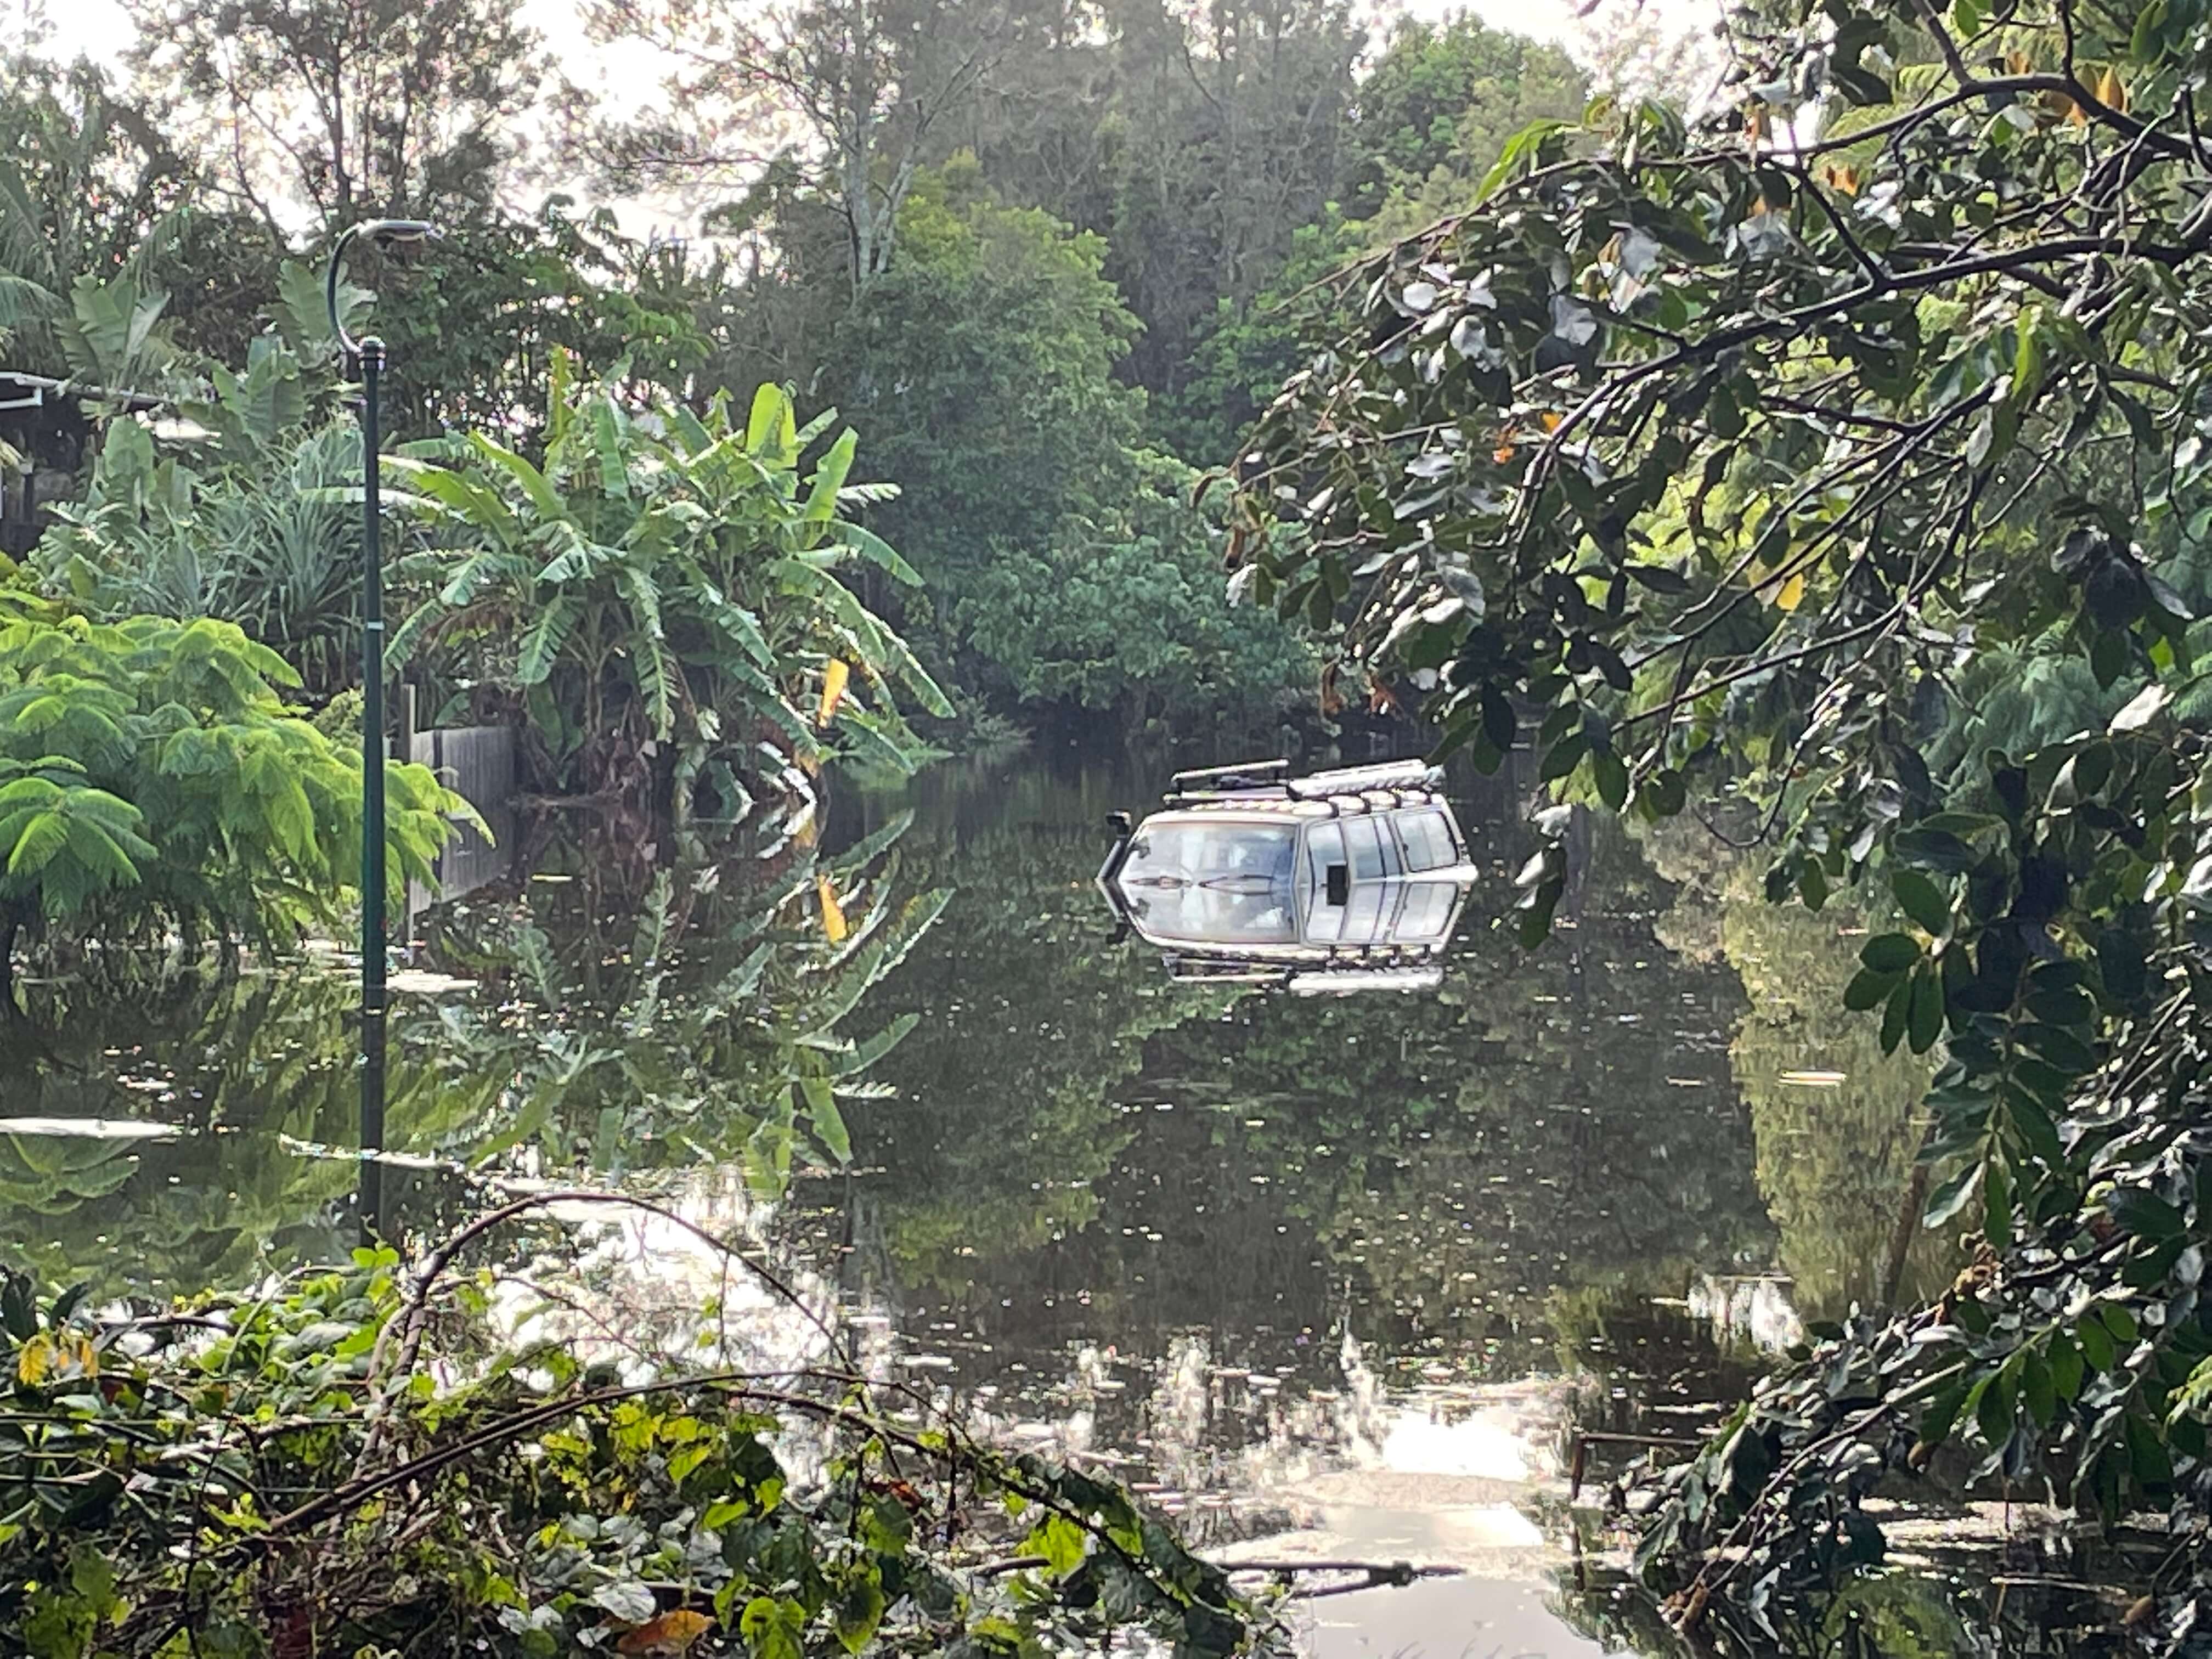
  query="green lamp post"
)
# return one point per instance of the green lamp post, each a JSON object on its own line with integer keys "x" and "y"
{"x": 369, "y": 352}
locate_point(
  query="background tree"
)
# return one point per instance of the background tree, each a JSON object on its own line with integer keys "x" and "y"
{"x": 1444, "y": 99}
{"x": 349, "y": 109}
{"x": 1122, "y": 613}
{"x": 866, "y": 84}
{"x": 986, "y": 359}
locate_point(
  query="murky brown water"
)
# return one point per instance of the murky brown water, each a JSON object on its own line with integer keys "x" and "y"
{"x": 1328, "y": 1279}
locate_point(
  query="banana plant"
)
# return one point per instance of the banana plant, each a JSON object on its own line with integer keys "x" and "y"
{"x": 663, "y": 591}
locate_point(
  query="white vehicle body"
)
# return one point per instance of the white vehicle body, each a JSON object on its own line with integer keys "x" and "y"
{"x": 1344, "y": 880}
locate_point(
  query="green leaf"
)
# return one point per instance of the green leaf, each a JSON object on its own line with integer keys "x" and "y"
{"x": 1889, "y": 954}
{"x": 546, "y": 639}
{"x": 1923, "y": 901}
{"x": 1611, "y": 776}
{"x": 1062, "y": 1543}
{"x": 774, "y": 1628}
{"x": 1663, "y": 794}
{"x": 607, "y": 423}
{"x": 2143, "y": 40}
{"x": 1894, "y": 1015}
{"x": 543, "y": 499}
{"x": 1521, "y": 153}
{"x": 2028, "y": 357}
{"x": 2149, "y": 1460}
{"x": 1993, "y": 1413}
{"x": 2146, "y": 1215}
{"x": 2065, "y": 1367}
{"x": 1925, "y": 1017}
{"x": 875, "y": 550}
{"x": 2037, "y": 1390}
{"x": 1997, "y": 1204}
{"x": 858, "y": 1612}
{"x": 772, "y": 428}
{"x": 829, "y": 478}
{"x": 2096, "y": 1344}
{"x": 1951, "y": 1197}
{"x": 828, "y": 1122}
{"x": 1867, "y": 989}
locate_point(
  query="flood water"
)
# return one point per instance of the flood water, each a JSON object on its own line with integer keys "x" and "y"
{"x": 1327, "y": 1279}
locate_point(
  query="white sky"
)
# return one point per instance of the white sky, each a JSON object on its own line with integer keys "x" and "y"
{"x": 98, "y": 29}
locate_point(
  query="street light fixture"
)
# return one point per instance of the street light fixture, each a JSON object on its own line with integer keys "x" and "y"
{"x": 369, "y": 351}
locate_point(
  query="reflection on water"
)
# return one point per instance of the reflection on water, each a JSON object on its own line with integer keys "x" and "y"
{"x": 1327, "y": 1280}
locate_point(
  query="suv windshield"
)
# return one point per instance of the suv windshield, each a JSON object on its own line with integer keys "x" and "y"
{"x": 1212, "y": 883}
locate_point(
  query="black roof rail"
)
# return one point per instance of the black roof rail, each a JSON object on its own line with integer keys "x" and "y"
{"x": 1255, "y": 770}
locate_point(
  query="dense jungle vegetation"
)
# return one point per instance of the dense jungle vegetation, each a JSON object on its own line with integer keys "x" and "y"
{"x": 1046, "y": 260}
{"x": 902, "y": 451}
{"x": 1809, "y": 461}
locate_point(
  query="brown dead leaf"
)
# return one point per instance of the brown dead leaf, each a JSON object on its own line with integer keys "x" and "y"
{"x": 1331, "y": 700}
{"x": 667, "y": 1636}
{"x": 1695, "y": 1610}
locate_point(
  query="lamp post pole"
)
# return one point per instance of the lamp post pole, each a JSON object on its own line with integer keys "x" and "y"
{"x": 369, "y": 353}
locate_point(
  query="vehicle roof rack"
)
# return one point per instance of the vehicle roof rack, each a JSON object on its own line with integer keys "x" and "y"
{"x": 1264, "y": 768}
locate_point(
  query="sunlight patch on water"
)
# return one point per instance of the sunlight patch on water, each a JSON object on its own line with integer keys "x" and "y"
{"x": 90, "y": 1129}
{"x": 1485, "y": 1446}
{"x": 1756, "y": 1311}
{"x": 421, "y": 981}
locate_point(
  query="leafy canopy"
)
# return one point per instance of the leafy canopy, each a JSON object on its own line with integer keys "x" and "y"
{"x": 664, "y": 591}
{"x": 1717, "y": 461}
{"x": 151, "y": 778}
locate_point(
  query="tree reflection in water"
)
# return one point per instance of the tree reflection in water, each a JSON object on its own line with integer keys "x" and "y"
{"x": 1226, "y": 1243}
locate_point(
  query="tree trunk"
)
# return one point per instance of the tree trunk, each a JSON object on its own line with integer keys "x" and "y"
{"x": 11, "y": 924}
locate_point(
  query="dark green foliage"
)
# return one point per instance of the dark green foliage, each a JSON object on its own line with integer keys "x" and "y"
{"x": 293, "y": 1471}
{"x": 985, "y": 361}
{"x": 1122, "y": 610}
{"x": 1438, "y": 107}
{"x": 151, "y": 778}
{"x": 1740, "y": 471}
